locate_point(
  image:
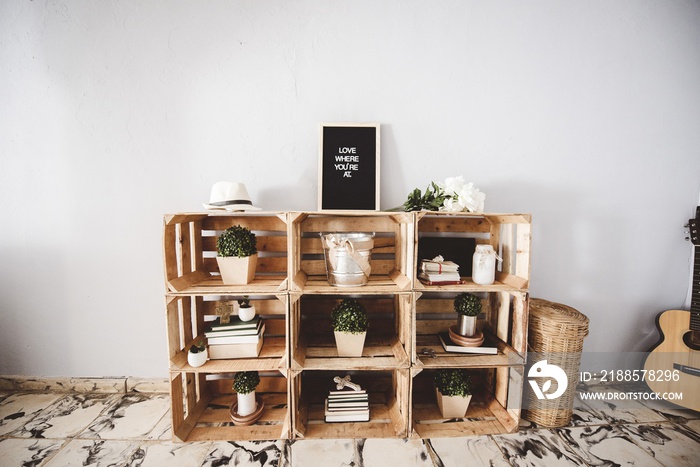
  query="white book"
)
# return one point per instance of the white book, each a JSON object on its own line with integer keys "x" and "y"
{"x": 450, "y": 346}
{"x": 435, "y": 267}
{"x": 253, "y": 339}
{"x": 333, "y": 404}
{"x": 226, "y": 351}
{"x": 343, "y": 393}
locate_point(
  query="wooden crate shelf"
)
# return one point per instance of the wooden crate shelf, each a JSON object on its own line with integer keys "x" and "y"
{"x": 299, "y": 359}
{"x": 503, "y": 321}
{"x": 391, "y": 255}
{"x": 188, "y": 317}
{"x": 509, "y": 234}
{"x": 388, "y": 338}
{"x": 494, "y": 408}
{"x": 189, "y": 251}
{"x": 388, "y": 398}
{"x": 201, "y": 405}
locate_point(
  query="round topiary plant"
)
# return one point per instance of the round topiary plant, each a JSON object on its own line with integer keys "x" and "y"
{"x": 349, "y": 316}
{"x": 198, "y": 347}
{"x": 453, "y": 382}
{"x": 236, "y": 241}
{"x": 467, "y": 304}
{"x": 245, "y": 382}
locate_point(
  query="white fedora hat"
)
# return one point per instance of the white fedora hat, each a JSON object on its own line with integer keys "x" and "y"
{"x": 230, "y": 196}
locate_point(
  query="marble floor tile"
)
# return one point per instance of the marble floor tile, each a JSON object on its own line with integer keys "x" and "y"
{"x": 98, "y": 453}
{"x": 617, "y": 411}
{"x": 606, "y": 446}
{"x": 473, "y": 451}
{"x": 19, "y": 409}
{"x": 671, "y": 445}
{"x": 27, "y": 452}
{"x": 321, "y": 452}
{"x": 163, "y": 431}
{"x": 169, "y": 454}
{"x": 246, "y": 454}
{"x": 149, "y": 385}
{"x": 671, "y": 411}
{"x": 537, "y": 448}
{"x": 66, "y": 417}
{"x": 132, "y": 416}
{"x": 693, "y": 425}
{"x": 383, "y": 452}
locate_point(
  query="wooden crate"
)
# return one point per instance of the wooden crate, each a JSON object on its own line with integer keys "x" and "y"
{"x": 388, "y": 398}
{"x": 509, "y": 234}
{"x": 388, "y": 340}
{"x": 503, "y": 321}
{"x": 391, "y": 255}
{"x": 201, "y": 403}
{"x": 189, "y": 251}
{"x": 494, "y": 408}
{"x": 188, "y": 318}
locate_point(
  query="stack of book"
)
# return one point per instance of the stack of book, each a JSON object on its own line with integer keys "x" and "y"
{"x": 235, "y": 339}
{"x": 347, "y": 406}
{"x": 439, "y": 273}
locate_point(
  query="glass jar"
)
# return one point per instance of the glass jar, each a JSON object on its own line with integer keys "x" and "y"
{"x": 484, "y": 265}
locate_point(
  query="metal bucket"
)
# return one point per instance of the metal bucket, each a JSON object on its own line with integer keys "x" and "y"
{"x": 347, "y": 258}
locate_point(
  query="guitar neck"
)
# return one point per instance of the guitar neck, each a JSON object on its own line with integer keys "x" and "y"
{"x": 695, "y": 293}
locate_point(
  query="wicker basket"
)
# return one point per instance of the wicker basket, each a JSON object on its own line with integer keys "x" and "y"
{"x": 556, "y": 331}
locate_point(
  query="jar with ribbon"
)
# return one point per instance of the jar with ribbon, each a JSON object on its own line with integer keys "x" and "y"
{"x": 484, "y": 265}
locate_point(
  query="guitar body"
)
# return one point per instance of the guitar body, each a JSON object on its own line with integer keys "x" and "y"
{"x": 675, "y": 356}
{"x": 673, "y": 365}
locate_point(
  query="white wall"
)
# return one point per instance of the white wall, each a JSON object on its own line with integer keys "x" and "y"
{"x": 585, "y": 114}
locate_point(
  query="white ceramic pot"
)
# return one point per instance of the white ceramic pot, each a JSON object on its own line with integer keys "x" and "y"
{"x": 237, "y": 271}
{"x": 349, "y": 344}
{"x": 197, "y": 359}
{"x": 246, "y": 314}
{"x": 246, "y": 404}
{"x": 452, "y": 406}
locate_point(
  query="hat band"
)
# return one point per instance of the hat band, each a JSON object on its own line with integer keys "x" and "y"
{"x": 230, "y": 202}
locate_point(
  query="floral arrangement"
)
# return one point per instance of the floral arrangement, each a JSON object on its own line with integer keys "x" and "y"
{"x": 454, "y": 195}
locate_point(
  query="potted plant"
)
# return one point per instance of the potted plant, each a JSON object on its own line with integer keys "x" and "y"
{"x": 244, "y": 383}
{"x": 349, "y": 322}
{"x": 467, "y": 306}
{"x": 246, "y": 311}
{"x": 453, "y": 388}
{"x": 197, "y": 355}
{"x": 237, "y": 255}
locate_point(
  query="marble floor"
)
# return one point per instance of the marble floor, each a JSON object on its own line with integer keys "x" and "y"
{"x": 132, "y": 428}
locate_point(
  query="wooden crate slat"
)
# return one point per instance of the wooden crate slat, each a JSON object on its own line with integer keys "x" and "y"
{"x": 254, "y": 222}
{"x": 266, "y": 243}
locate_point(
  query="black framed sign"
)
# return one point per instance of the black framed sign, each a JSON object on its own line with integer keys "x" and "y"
{"x": 348, "y": 173}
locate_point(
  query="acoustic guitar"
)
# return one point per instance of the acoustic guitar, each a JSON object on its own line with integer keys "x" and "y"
{"x": 673, "y": 365}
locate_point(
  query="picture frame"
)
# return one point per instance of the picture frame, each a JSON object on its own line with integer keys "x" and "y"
{"x": 348, "y": 166}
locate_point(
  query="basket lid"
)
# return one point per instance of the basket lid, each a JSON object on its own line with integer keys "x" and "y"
{"x": 558, "y": 314}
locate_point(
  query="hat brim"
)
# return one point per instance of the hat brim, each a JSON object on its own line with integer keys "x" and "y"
{"x": 231, "y": 207}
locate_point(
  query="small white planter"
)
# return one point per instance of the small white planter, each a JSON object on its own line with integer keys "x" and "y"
{"x": 349, "y": 344}
{"x": 197, "y": 359}
{"x": 246, "y": 314}
{"x": 246, "y": 404}
{"x": 452, "y": 406}
{"x": 237, "y": 271}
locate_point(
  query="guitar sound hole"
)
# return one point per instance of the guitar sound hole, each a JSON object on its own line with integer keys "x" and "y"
{"x": 692, "y": 339}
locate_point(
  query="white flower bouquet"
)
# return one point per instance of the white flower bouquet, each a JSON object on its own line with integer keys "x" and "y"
{"x": 454, "y": 195}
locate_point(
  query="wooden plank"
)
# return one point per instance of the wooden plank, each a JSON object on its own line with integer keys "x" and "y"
{"x": 256, "y": 223}
{"x": 453, "y": 224}
{"x": 169, "y": 253}
{"x": 267, "y": 243}
{"x": 347, "y": 223}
